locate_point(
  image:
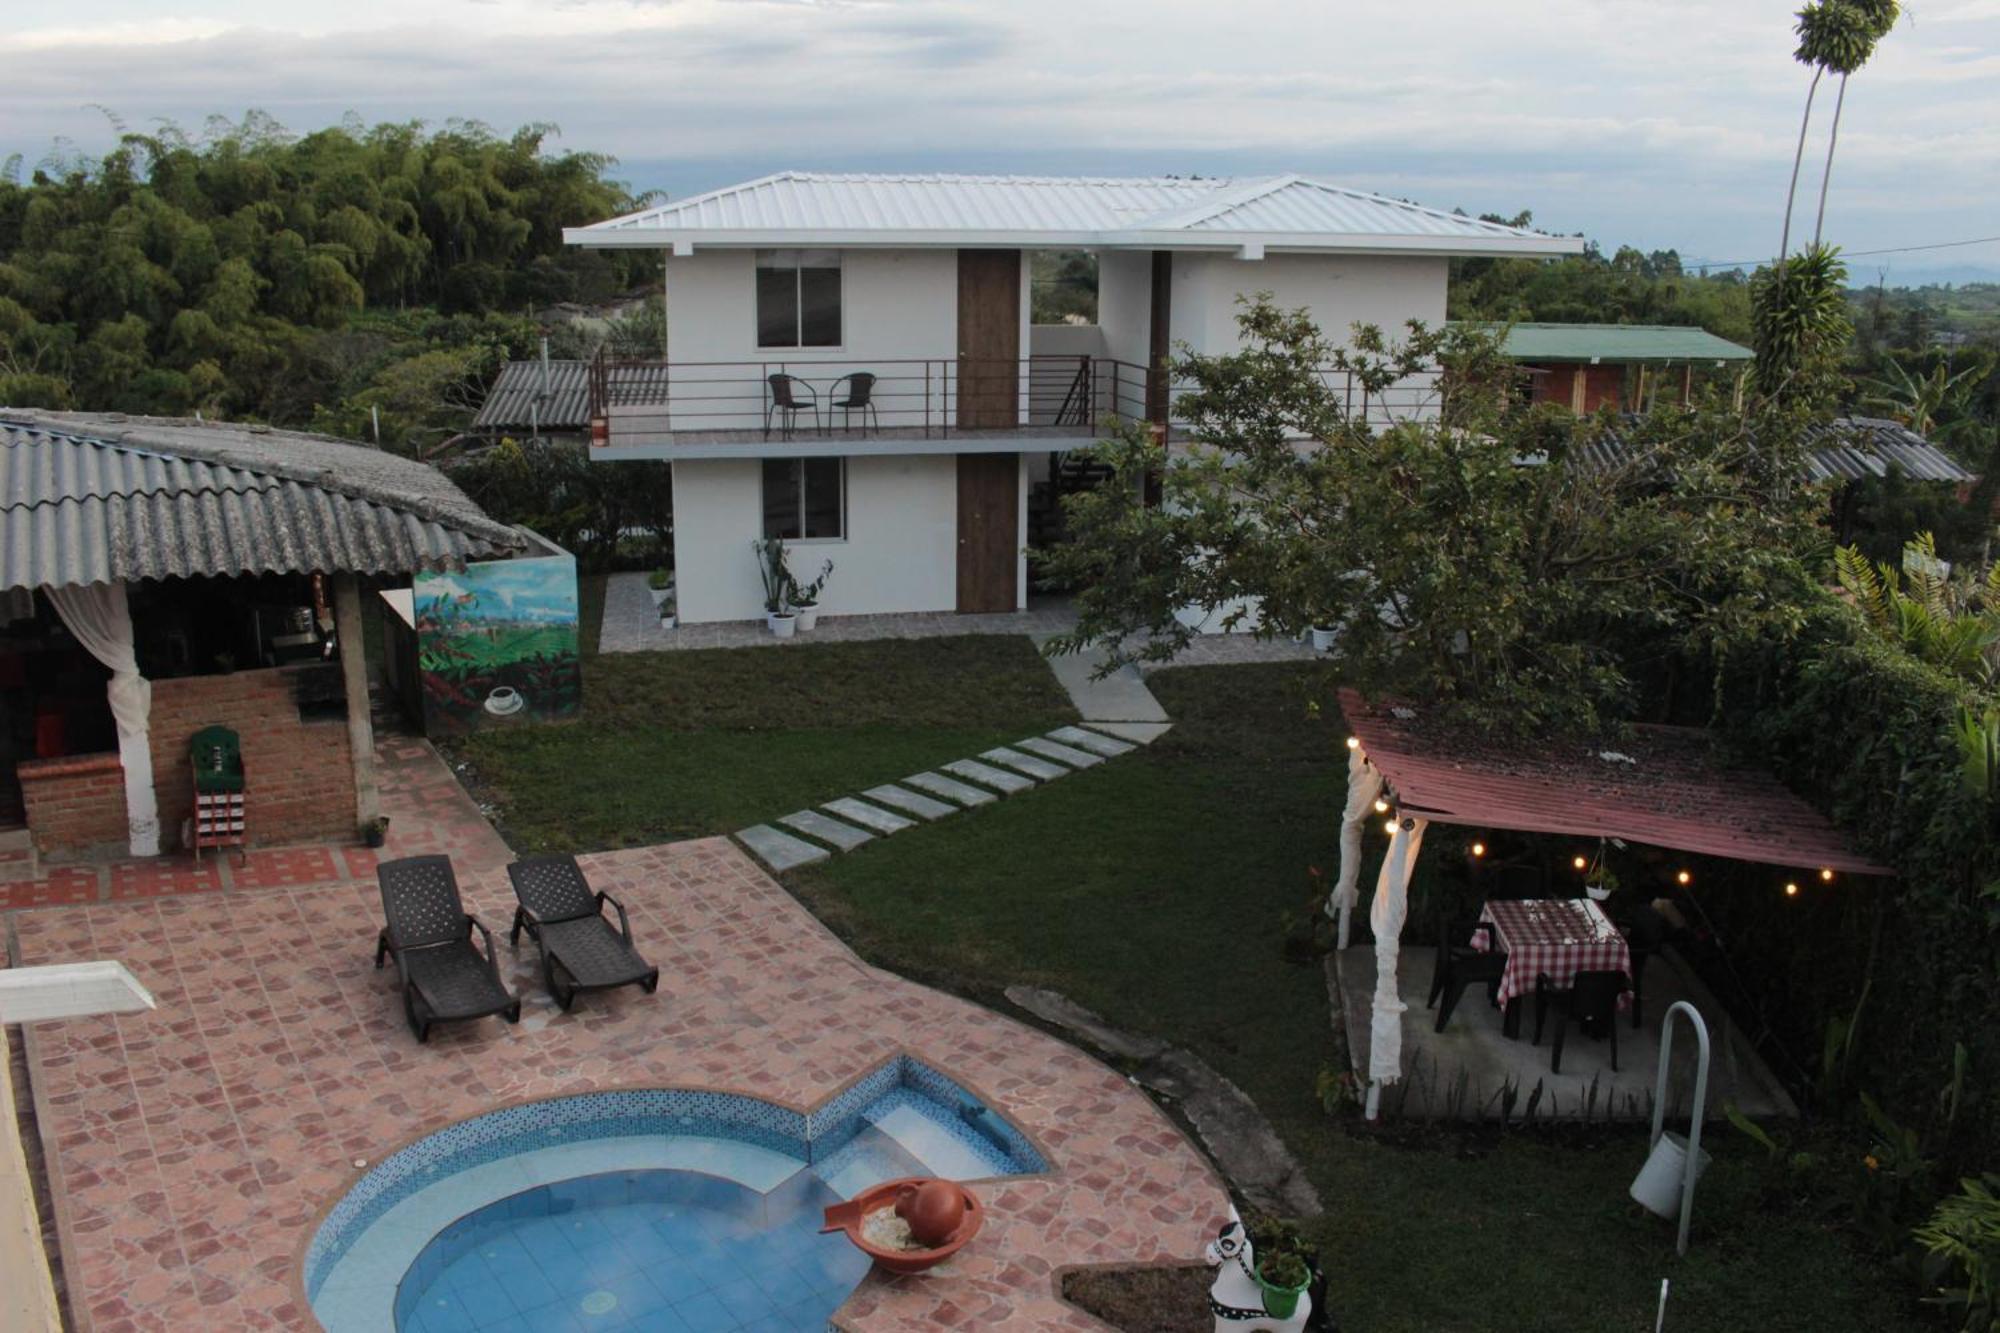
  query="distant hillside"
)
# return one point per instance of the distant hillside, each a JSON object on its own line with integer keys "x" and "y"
{"x": 1938, "y": 315}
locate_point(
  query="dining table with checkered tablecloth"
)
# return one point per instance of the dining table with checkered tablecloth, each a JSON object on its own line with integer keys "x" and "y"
{"x": 1552, "y": 937}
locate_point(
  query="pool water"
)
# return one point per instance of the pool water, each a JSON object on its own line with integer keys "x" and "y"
{"x": 674, "y": 1251}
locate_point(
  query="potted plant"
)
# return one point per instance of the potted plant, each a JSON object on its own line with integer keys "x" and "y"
{"x": 1283, "y": 1277}
{"x": 376, "y": 831}
{"x": 661, "y": 584}
{"x": 805, "y": 600}
{"x": 1322, "y": 638}
{"x": 1602, "y": 882}
{"x": 778, "y": 586}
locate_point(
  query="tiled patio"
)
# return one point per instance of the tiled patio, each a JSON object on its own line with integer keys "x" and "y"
{"x": 195, "y": 1147}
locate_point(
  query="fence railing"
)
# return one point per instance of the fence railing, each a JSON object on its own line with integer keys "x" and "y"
{"x": 633, "y": 401}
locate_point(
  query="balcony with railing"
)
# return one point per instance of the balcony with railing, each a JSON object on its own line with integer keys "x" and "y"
{"x": 697, "y": 409}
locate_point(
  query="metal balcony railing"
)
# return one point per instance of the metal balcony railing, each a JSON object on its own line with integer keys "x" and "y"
{"x": 727, "y": 402}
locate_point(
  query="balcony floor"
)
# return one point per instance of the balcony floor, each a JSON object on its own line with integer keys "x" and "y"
{"x": 637, "y": 442}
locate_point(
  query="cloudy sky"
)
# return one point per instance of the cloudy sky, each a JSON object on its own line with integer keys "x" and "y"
{"x": 1630, "y": 120}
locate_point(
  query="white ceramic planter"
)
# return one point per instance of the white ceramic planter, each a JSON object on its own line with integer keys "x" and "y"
{"x": 782, "y": 626}
{"x": 668, "y": 620}
{"x": 808, "y": 616}
{"x": 660, "y": 595}
{"x": 1322, "y": 639}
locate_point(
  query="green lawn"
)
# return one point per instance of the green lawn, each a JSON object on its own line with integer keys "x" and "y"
{"x": 1151, "y": 889}
{"x": 685, "y": 744}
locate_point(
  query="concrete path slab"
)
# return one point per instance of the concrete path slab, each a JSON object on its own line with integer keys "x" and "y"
{"x": 780, "y": 851}
{"x": 1062, "y": 754}
{"x": 1121, "y": 696}
{"x": 1092, "y": 741}
{"x": 997, "y": 778}
{"x": 1025, "y": 763}
{"x": 830, "y": 831}
{"x": 910, "y": 803}
{"x": 937, "y": 784}
{"x": 869, "y": 816}
{"x": 1142, "y": 733}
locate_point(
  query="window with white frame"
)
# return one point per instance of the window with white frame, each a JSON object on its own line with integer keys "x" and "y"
{"x": 798, "y": 298}
{"x": 805, "y": 499}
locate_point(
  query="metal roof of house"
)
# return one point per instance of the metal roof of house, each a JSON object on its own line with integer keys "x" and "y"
{"x": 88, "y": 498}
{"x": 1618, "y": 343}
{"x": 1664, "y": 786}
{"x": 1282, "y": 212}
{"x": 512, "y": 401}
{"x": 1845, "y": 449}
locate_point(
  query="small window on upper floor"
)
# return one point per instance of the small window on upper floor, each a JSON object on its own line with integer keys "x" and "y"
{"x": 798, "y": 298}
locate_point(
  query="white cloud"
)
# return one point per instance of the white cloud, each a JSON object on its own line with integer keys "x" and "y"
{"x": 1659, "y": 125}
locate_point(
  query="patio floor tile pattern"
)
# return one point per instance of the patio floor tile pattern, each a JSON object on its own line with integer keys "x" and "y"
{"x": 196, "y": 1146}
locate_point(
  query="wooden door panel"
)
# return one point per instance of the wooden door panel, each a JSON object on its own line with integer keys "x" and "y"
{"x": 989, "y": 339}
{"x": 989, "y": 543}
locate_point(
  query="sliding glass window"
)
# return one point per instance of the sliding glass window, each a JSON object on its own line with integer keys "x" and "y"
{"x": 798, "y": 298}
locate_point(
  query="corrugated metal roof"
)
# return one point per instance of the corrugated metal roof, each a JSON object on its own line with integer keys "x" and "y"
{"x": 97, "y": 499}
{"x": 1618, "y": 343}
{"x": 1663, "y": 786}
{"x": 511, "y": 402}
{"x": 1845, "y": 449}
{"x": 804, "y": 207}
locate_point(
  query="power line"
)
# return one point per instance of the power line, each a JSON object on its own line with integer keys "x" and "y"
{"x": 1859, "y": 254}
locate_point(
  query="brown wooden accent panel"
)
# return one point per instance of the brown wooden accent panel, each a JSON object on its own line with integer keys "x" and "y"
{"x": 1161, "y": 344}
{"x": 989, "y": 541}
{"x": 989, "y": 339}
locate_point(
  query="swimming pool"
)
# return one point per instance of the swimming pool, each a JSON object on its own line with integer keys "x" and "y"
{"x": 640, "y": 1209}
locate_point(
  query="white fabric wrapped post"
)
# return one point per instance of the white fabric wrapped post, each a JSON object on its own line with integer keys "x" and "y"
{"x": 99, "y": 617}
{"x": 1364, "y": 784}
{"x": 1386, "y": 916}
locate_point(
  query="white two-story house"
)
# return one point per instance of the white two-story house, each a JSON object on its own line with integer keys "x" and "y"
{"x": 851, "y": 364}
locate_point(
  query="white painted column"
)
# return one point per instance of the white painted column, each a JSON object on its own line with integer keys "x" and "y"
{"x": 1386, "y": 916}
{"x": 354, "y": 676}
{"x": 1364, "y": 784}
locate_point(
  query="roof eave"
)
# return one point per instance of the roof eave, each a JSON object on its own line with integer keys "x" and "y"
{"x": 683, "y": 240}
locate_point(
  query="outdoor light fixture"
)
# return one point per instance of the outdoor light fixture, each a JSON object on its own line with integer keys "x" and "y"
{"x": 1353, "y": 742}
{"x": 1479, "y": 849}
{"x": 1684, "y": 878}
{"x": 1792, "y": 889}
{"x": 1825, "y": 875}
{"x": 1580, "y": 862}
{"x": 1389, "y": 827}
{"x": 1381, "y": 806}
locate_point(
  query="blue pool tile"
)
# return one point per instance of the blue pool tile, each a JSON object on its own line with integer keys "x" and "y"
{"x": 746, "y": 1299}
{"x": 705, "y": 1314}
{"x": 660, "y": 1321}
{"x": 526, "y": 1286}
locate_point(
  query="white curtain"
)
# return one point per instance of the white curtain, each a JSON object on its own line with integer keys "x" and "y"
{"x": 97, "y": 614}
{"x": 1364, "y": 784}
{"x": 1386, "y": 915}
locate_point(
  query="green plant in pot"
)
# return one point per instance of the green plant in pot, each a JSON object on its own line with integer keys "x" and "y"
{"x": 1284, "y": 1277}
{"x": 805, "y": 597}
{"x": 778, "y": 586}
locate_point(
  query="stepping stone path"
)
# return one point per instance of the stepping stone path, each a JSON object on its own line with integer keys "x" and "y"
{"x": 962, "y": 784}
{"x": 937, "y": 784}
{"x": 1025, "y": 763}
{"x": 869, "y": 816}
{"x": 910, "y": 803}
{"x": 844, "y": 836}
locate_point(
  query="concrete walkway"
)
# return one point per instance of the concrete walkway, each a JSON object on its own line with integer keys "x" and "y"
{"x": 1121, "y": 696}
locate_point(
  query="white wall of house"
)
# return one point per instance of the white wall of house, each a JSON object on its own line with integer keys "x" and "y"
{"x": 897, "y": 306}
{"x": 900, "y": 552}
{"x": 1338, "y": 290}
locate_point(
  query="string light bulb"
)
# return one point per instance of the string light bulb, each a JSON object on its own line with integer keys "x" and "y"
{"x": 1479, "y": 849}
{"x": 1791, "y": 889}
{"x": 1580, "y": 862}
{"x": 1825, "y": 875}
{"x": 1381, "y": 806}
{"x": 1685, "y": 877}
{"x": 1389, "y": 827}
{"x": 1353, "y": 742}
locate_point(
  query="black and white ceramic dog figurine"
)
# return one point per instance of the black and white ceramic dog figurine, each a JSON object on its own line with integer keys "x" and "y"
{"x": 1234, "y": 1298}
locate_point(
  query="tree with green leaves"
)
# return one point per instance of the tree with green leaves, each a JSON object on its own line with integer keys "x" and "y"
{"x": 1468, "y": 555}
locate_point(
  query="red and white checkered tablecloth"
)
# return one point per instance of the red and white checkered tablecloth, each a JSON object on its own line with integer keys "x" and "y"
{"x": 1556, "y": 937}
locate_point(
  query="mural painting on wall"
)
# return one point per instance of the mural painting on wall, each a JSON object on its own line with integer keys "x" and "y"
{"x": 496, "y": 644}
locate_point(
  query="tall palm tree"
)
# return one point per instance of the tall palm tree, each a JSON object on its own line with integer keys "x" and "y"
{"x": 1833, "y": 34}
{"x": 1881, "y": 16}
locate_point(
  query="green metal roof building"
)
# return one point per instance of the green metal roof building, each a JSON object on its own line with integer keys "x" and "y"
{"x": 1589, "y": 366}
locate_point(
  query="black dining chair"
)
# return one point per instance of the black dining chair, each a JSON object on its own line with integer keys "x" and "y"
{"x": 1645, "y": 932}
{"x": 1459, "y": 965}
{"x": 790, "y": 396}
{"x": 860, "y": 398}
{"x": 1591, "y": 1000}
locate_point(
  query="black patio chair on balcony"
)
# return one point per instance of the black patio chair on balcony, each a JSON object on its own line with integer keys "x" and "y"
{"x": 860, "y": 398}
{"x": 790, "y": 396}
{"x": 429, "y": 933}
{"x": 1591, "y": 1000}
{"x": 1460, "y": 964}
{"x": 580, "y": 951}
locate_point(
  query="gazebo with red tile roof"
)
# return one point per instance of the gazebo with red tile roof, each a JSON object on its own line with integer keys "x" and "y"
{"x": 1665, "y": 786}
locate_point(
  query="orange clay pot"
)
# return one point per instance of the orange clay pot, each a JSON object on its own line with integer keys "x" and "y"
{"x": 933, "y": 1200}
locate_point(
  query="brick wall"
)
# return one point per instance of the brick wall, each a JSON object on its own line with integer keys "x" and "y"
{"x": 75, "y": 805}
{"x": 300, "y": 775}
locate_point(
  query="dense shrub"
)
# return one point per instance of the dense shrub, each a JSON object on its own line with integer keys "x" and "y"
{"x": 609, "y": 515}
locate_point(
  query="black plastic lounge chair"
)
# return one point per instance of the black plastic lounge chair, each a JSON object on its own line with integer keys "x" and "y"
{"x": 1459, "y": 965}
{"x": 445, "y": 977}
{"x": 860, "y": 398}
{"x": 580, "y": 950}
